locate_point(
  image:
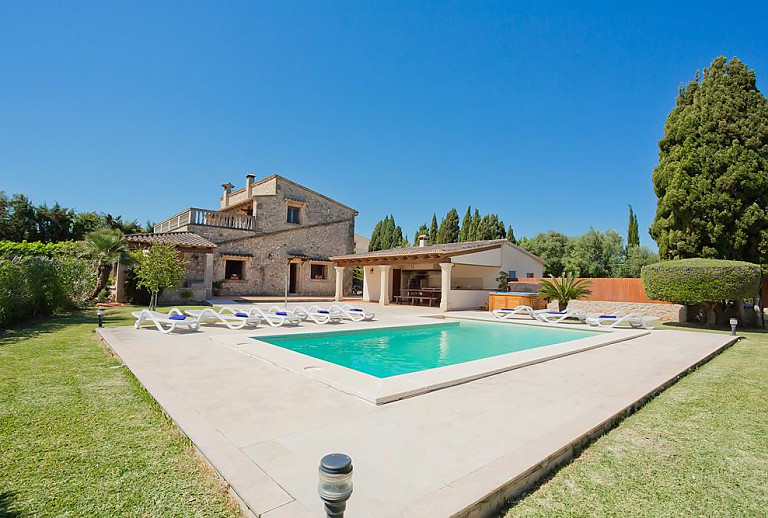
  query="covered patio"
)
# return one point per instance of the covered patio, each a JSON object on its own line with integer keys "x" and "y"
{"x": 452, "y": 276}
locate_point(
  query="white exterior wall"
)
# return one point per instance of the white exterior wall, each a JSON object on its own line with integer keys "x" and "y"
{"x": 468, "y": 299}
{"x": 371, "y": 283}
{"x": 512, "y": 258}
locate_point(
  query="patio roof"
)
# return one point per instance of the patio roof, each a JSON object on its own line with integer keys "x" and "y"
{"x": 187, "y": 240}
{"x": 429, "y": 253}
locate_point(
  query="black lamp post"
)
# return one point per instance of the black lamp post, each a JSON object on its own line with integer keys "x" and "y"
{"x": 733, "y": 323}
{"x": 335, "y": 485}
{"x": 100, "y": 314}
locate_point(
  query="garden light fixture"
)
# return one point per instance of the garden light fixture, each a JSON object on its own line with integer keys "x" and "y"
{"x": 100, "y": 314}
{"x": 335, "y": 486}
{"x": 734, "y": 323}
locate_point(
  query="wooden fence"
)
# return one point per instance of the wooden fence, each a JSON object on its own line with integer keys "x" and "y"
{"x": 614, "y": 289}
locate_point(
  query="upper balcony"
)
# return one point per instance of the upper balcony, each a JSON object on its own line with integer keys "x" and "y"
{"x": 208, "y": 218}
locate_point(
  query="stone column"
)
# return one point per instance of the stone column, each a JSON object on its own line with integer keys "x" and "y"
{"x": 445, "y": 286}
{"x": 386, "y": 284}
{"x": 208, "y": 277}
{"x": 339, "y": 283}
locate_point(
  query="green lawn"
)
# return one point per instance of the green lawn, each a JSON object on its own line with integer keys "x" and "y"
{"x": 698, "y": 449}
{"x": 79, "y": 437}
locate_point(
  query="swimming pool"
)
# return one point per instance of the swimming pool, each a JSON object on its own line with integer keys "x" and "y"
{"x": 387, "y": 352}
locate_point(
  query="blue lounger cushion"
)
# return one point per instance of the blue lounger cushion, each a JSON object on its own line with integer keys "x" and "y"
{"x": 355, "y": 309}
{"x": 323, "y": 311}
{"x": 177, "y": 317}
{"x": 281, "y": 313}
{"x": 556, "y": 312}
{"x": 507, "y": 309}
{"x": 607, "y": 316}
{"x": 241, "y": 314}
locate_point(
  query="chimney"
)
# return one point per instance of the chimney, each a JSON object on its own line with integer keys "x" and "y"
{"x": 250, "y": 179}
{"x": 422, "y": 240}
{"x": 225, "y": 198}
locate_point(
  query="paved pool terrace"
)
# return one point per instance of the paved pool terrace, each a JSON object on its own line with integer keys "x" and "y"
{"x": 457, "y": 450}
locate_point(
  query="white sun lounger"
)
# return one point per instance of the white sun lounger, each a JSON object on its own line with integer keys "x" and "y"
{"x": 173, "y": 319}
{"x": 351, "y": 312}
{"x": 633, "y": 320}
{"x": 316, "y": 314}
{"x": 503, "y": 313}
{"x": 273, "y": 319}
{"x": 555, "y": 317}
{"x": 231, "y": 319}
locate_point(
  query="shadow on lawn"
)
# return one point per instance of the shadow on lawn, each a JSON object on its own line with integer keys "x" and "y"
{"x": 692, "y": 326}
{"x": 52, "y": 324}
{"x": 7, "y": 505}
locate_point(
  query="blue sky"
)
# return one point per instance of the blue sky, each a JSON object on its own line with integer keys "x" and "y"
{"x": 546, "y": 113}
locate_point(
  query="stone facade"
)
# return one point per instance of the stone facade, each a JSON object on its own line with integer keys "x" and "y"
{"x": 666, "y": 312}
{"x": 263, "y": 255}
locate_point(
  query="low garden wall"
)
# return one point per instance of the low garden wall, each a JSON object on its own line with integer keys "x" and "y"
{"x": 665, "y": 311}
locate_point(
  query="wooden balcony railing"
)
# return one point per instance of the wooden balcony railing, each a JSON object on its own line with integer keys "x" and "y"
{"x": 210, "y": 218}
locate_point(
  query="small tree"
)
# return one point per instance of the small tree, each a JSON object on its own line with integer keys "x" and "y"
{"x": 705, "y": 282}
{"x": 564, "y": 289}
{"x": 159, "y": 268}
{"x": 107, "y": 247}
{"x": 503, "y": 280}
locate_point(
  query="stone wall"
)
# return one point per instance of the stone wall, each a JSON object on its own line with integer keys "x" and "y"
{"x": 271, "y": 209}
{"x": 264, "y": 271}
{"x": 667, "y": 312}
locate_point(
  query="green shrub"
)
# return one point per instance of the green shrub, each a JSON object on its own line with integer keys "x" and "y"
{"x": 38, "y": 286}
{"x": 701, "y": 281}
{"x": 10, "y": 249}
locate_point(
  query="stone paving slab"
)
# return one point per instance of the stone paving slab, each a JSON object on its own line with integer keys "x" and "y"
{"x": 459, "y": 449}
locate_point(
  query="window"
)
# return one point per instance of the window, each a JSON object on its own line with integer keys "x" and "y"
{"x": 318, "y": 272}
{"x": 292, "y": 215}
{"x": 512, "y": 274}
{"x": 233, "y": 270}
{"x": 529, "y": 275}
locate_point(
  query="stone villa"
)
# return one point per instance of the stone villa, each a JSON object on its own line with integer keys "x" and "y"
{"x": 270, "y": 234}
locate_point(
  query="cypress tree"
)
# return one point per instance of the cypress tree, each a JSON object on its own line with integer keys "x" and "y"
{"x": 712, "y": 177}
{"x": 449, "y": 228}
{"x": 511, "y": 235}
{"x": 433, "y": 230}
{"x": 475, "y": 228}
{"x": 466, "y": 223}
{"x": 633, "y": 235}
{"x": 423, "y": 231}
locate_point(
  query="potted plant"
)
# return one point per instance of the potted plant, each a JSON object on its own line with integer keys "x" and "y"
{"x": 564, "y": 289}
{"x": 217, "y": 285}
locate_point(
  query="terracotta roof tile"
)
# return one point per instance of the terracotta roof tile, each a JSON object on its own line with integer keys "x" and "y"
{"x": 183, "y": 239}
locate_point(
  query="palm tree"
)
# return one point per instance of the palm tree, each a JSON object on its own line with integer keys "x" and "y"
{"x": 107, "y": 246}
{"x": 564, "y": 289}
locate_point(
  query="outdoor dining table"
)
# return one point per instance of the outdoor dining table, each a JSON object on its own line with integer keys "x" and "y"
{"x": 417, "y": 295}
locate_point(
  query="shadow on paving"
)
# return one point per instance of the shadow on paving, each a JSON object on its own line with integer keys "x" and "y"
{"x": 7, "y": 505}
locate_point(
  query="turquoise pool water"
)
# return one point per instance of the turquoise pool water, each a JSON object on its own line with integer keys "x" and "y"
{"x": 386, "y": 352}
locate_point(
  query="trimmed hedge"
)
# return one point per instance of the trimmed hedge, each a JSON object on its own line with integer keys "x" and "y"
{"x": 10, "y": 249}
{"x": 700, "y": 281}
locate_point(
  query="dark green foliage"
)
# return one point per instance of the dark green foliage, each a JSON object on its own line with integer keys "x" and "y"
{"x": 9, "y": 249}
{"x": 511, "y": 236}
{"x": 633, "y": 234}
{"x": 386, "y": 234}
{"x": 448, "y": 232}
{"x": 594, "y": 254}
{"x": 700, "y": 281}
{"x": 712, "y": 176}
{"x": 466, "y": 224}
{"x": 503, "y": 280}
{"x": 20, "y": 220}
{"x": 37, "y": 286}
{"x": 433, "y": 230}
{"x": 134, "y": 293}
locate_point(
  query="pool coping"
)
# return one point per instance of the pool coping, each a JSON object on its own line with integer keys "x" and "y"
{"x": 380, "y": 391}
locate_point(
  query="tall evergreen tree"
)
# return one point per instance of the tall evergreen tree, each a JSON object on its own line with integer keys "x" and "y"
{"x": 433, "y": 230}
{"x": 511, "y": 235}
{"x": 466, "y": 224}
{"x": 449, "y": 228}
{"x": 712, "y": 176}
{"x": 475, "y": 228}
{"x": 633, "y": 235}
